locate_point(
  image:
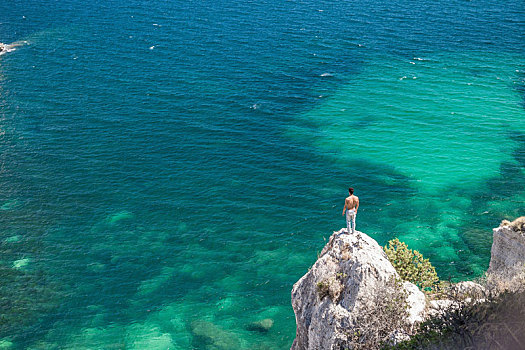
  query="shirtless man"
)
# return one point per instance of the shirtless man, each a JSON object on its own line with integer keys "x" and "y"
{"x": 351, "y": 205}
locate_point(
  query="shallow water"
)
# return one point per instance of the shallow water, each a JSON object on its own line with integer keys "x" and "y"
{"x": 169, "y": 170}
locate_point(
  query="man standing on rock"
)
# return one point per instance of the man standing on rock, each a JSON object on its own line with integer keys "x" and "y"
{"x": 351, "y": 205}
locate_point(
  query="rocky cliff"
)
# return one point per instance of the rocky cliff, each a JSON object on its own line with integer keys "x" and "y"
{"x": 352, "y": 271}
{"x": 507, "y": 257}
{"x": 349, "y": 274}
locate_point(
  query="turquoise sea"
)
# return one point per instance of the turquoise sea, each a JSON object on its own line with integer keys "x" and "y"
{"x": 168, "y": 169}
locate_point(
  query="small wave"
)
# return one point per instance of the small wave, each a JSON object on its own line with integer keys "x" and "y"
{"x": 420, "y": 59}
{"x": 5, "y": 48}
{"x": 326, "y": 75}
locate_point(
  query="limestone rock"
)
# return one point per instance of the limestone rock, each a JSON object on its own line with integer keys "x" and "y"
{"x": 468, "y": 289}
{"x": 416, "y": 301}
{"x": 507, "y": 256}
{"x": 350, "y": 271}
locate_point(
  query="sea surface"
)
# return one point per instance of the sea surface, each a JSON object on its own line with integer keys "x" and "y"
{"x": 168, "y": 169}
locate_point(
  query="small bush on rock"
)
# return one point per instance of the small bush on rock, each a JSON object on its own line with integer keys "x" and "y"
{"x": 411, "y": 266}
{"x": 331, "y": 287}
{"x": 323, "y": 289}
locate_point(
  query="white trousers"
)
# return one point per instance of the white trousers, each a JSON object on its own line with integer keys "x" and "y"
{"x": 350, "y": 220}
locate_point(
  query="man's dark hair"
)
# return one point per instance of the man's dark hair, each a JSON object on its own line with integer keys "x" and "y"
{"x": 351, "y": 190}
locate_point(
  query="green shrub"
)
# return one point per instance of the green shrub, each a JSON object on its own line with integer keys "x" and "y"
{"x": 331, "y": 287}
{"x": 323, "y": 289}
{"x": 411, "y": 266}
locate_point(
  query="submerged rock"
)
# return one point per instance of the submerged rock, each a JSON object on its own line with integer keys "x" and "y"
{"x": 351, "y": 271}
{"x": 13, "y": 239}
{"x": 14, "y": 203}
{"x": 146, "y": 336}
{"x": 96, "y": 267}
{"x": 120, "y": 216}
{"x": 213, "y": 336}
{"x": 262, "y": 326}
{"x": 21, "y": 263}
{"x": 6, "y": 344}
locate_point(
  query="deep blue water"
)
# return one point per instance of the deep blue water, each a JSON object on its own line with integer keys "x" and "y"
{"x": 169, "y": 169}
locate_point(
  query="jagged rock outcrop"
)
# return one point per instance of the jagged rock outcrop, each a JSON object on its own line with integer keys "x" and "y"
{"x": 507, "y": 257}
{"x": 353, "y": 270}
{"x": 350, "y": 272}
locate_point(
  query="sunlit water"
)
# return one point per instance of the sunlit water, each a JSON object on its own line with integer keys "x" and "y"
{"x": 169, "y": 170}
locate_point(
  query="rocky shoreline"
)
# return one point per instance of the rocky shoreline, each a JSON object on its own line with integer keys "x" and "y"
{"x": 351, "y": 277}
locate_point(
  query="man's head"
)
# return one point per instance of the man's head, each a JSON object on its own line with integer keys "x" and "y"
{"x": 351, "y": 190}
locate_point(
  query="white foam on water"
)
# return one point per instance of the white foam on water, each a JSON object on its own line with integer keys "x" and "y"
{"x": 12, "y": 47}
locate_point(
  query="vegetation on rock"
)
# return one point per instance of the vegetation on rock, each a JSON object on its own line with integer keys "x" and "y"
{"x": 411, "y": 266}
{"x": 493, "y": 321}
{"x": 330, "y": 287}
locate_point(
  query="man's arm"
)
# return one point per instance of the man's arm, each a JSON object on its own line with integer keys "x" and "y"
{"x": 344, "y": 208}
{"x": 357, "y": 205}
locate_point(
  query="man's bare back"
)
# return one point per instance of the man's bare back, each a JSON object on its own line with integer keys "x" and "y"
{"x": 351, "y": 203}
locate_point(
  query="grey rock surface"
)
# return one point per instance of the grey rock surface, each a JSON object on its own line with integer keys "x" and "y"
{"x": 507, "y": 257}
{"x": 468, "y": 289}
{"x": 327, "y": 299}
{"x": 353, "y": 269}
